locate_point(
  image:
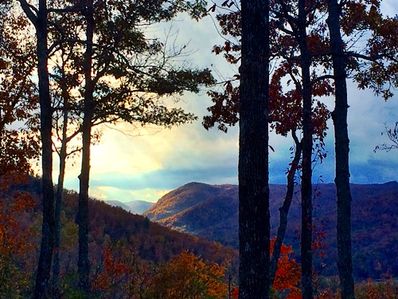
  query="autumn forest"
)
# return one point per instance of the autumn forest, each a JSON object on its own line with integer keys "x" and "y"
{"x": 73, "y": 71}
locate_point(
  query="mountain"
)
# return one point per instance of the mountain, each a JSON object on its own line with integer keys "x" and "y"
{"x": 116, "y": 203}
{"x": 113, "y": 225}
{"x": 134, "y": 206}
{"x": 205, "y": 210}
{"x": 211, "y": 211}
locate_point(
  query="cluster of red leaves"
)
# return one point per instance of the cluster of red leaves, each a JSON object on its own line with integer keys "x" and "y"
{"x": 285, "y": 102}
{"x": 285, "y": 105}
{"x": 379, "y": 57}
{"x": 288, "y": 273}
{"x": 113, "y": 272}
{"x": 318, "y": 244}
{"x": 287, "y": 277}
{"x": 18, "y": 99}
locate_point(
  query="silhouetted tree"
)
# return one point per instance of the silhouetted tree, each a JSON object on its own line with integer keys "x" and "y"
{"x": 285, "y": 106}
{"x": 39, "y": 18}
{"x": 374, "y": 68}
{"x": 342, "y": 179}
{"x": 306, "y": 179}
{"x": 124, "y": 76}
{"x": 254, "y": 217}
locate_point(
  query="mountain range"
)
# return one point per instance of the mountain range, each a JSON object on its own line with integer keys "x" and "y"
{"x": 147, "y": 240}
{"x": 211, "y": 212}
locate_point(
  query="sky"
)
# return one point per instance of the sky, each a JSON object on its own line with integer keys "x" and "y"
{"x": 135, "y": 163}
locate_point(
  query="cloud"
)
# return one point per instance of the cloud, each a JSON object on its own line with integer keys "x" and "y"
{"x": 165, "y": 179}
{"x": 123, "y": 195}
{"x": 143, "y": 163}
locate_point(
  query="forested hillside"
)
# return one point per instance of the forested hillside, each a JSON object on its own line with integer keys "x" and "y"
{"x": 108, "y": 98}
{"x": 124, "y": 248}
{"x": 211, "y": 211}
{"x": 151, "y": 241}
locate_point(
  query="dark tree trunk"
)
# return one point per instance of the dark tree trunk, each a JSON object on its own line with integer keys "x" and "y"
{"x": 342, "y": 179}
{"x": 83, "y": 263}
{"x": 284, "y": 210}
{"x": 306, "y": 181}
{"x": 47, "y": 240}
{"x": 254, "y": 222}
{"x": 58, "y": 207}
{"x": 59, "y": 196}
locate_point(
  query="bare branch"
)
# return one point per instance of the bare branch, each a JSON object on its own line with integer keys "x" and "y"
{"x": 30, "y": 11}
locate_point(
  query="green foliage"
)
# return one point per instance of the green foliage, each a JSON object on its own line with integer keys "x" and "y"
{"x": 14, "y": 281}
{"x": 69, "y": 287}
{"x": 131, "y": 71}
{"x": 387, "y": 289}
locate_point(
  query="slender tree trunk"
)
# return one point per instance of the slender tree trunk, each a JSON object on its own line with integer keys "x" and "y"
{"x": 284, "y": 210}
{"x": 47, "y": 240}
{"x": 83, "y": 263}
{"x": 306, "y": 181}
{"x": 342, "y": 179}
{"x": 254, "y": 217}
{"x": 59, "y": 197}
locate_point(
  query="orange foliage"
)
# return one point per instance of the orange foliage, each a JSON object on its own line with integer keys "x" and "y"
{"x": 287, "y": 277}
{"x": 113, "y": 272}
{"x": 14, "y": 236}
{"x": 188, "y": 276}
{"x": 288, "y": 274}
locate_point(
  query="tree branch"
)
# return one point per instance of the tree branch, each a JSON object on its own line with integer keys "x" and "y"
{"x": 30, "y": 11}
{"x": 324, "y": 77}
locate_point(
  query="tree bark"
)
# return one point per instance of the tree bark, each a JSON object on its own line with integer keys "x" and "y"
{"x": 284, "y": 210}
{"x": 47, "y": 240}
{"x": 254, "y": 217}
{"x": 342, "y": 179}
{"x": 83, "y": 263}
{"x": 59, "y": 196}
{"x": 306, "y": 181}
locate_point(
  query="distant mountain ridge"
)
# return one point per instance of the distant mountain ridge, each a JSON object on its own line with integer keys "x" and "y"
{"x": 211, "y": 211}
{"x": 134, "y": 206}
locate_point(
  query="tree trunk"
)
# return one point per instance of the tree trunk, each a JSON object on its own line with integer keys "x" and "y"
{"x": 83, "y": 263}
{"x": 342, "y": 179}
{"x": 254, "y": 222}
{"x": 284, "y": 210}
{"x": 306, "y": 181}
{"x": 59, "y": 197}
{"x": 58, "y": 207}
{"x": 47, "y": 240}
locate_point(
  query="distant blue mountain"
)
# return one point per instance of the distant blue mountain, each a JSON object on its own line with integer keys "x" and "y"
{"x": 134, "y": 206}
